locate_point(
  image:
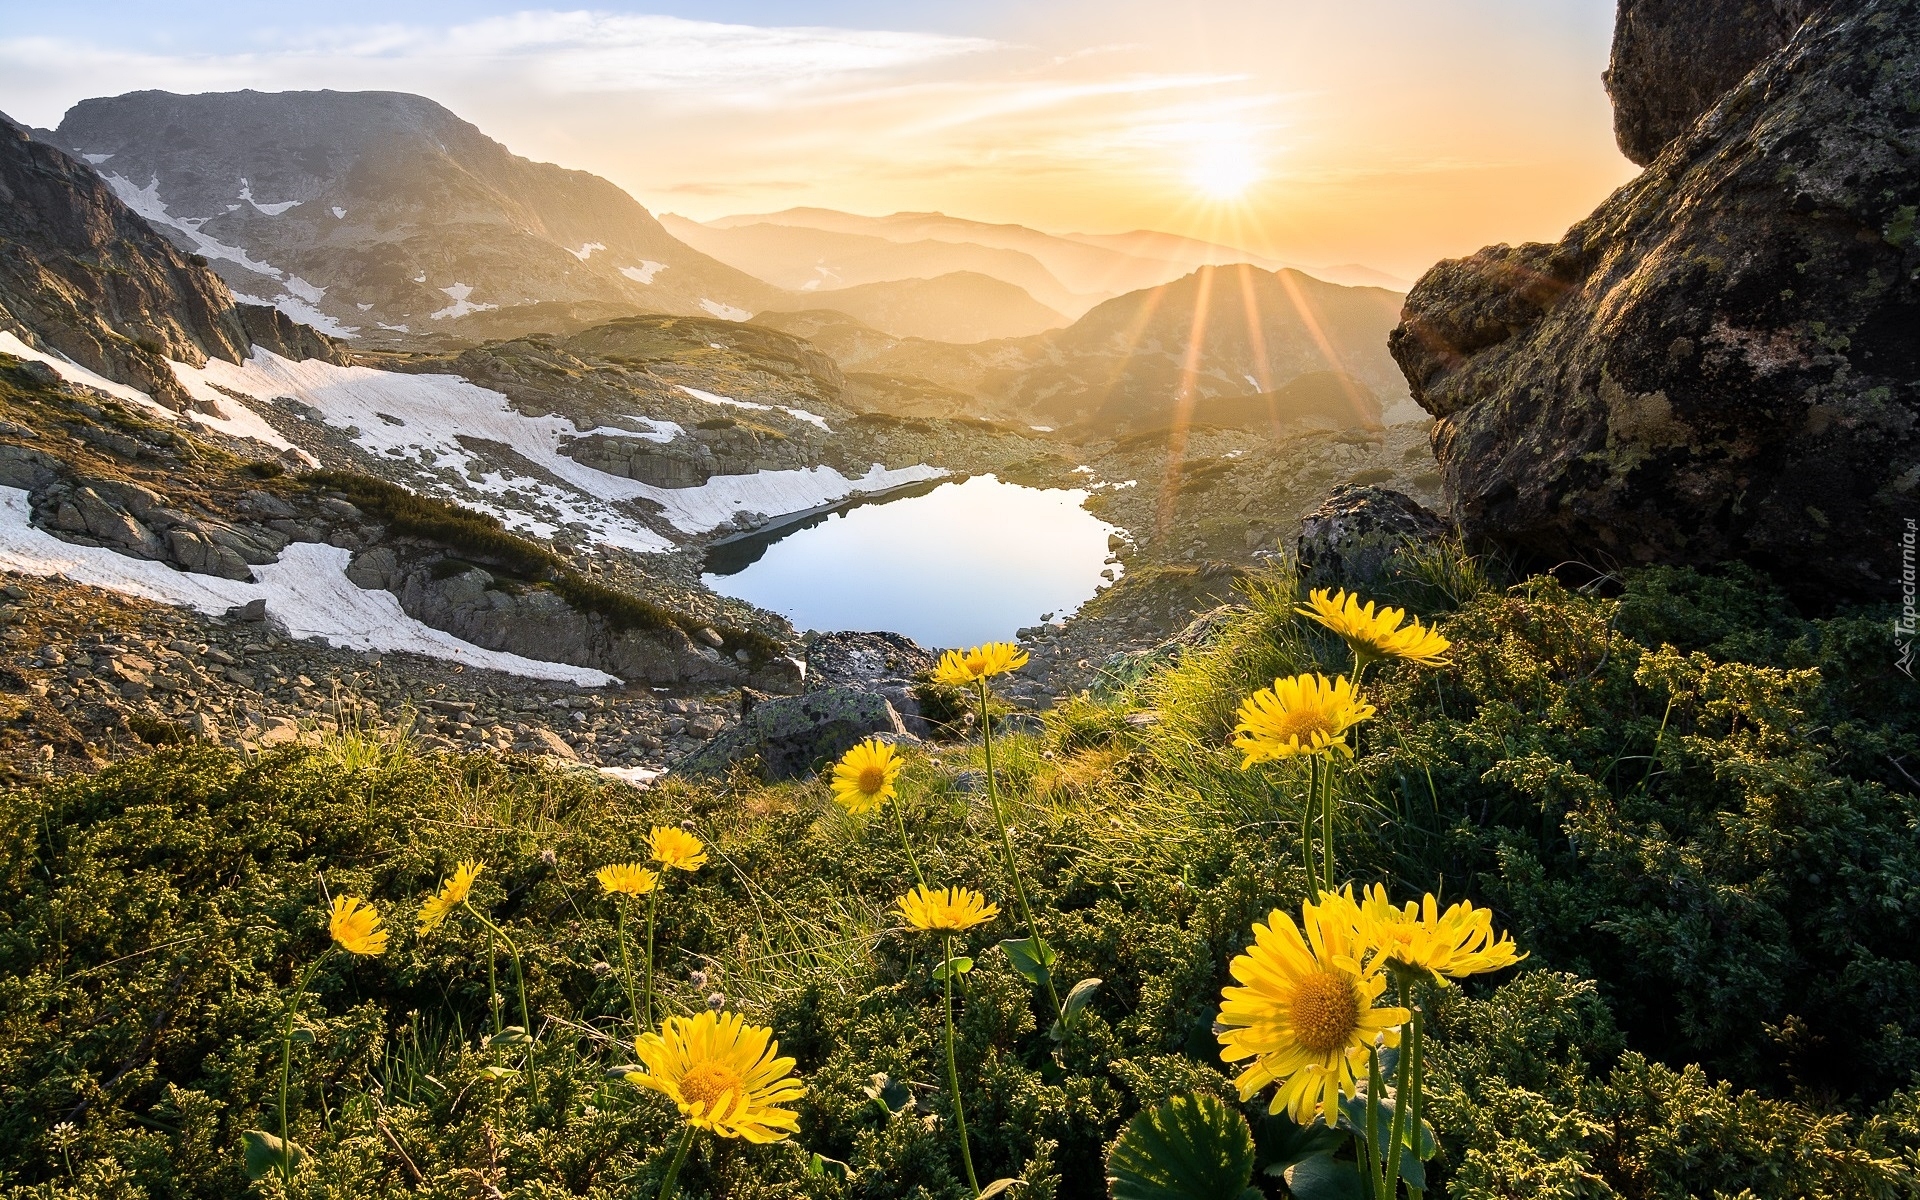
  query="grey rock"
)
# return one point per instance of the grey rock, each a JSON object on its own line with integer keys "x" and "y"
{"x": 886, "y": 664}
{"x": 1672, "y": 59}
{"x": 265, "y": 504}
{"x": 798, "y": 735}
{"x": 1355, "y": 532}
{"x": 1672, "y": 382}
{"x": 198, "y": 553}
{"x": 27, "y": 468}
{"x": 252, "y": 610}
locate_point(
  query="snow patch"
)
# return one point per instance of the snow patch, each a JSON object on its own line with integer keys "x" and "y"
{"x": 797, "y": 413}
{"x": 339, "y": 214}
{"x": 726, "y": 312}
{"x": 96, "y": 159}
{"x": 307, "y": 591}
{"x": 645, "y": 272}
{"x": 420, "y": 278}
{"x": 272, "y": 210}
{"x": 585, "y": 252}
{"x": 461, "y": 306}
{"x": 1253, "y": 383}
{"x": 655, "y": 431}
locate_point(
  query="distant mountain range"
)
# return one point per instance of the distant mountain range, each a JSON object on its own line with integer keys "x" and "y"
{"x": 381, "y": 214}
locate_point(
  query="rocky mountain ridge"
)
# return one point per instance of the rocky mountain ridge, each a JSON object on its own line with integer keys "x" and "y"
{"x": 382, "y": 217}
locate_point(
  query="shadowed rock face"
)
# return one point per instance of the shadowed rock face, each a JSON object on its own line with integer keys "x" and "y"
{"x": 1673, "y": 58}
{"x": 1722, "y": 361}
{"x": 82, "y": 274}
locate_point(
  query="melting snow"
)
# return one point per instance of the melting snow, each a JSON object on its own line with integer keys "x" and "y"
{"x": 420, "y": 278}
{"x": 1253, "y": 383}
{"x": 272, "y": 210}
{"x": 338, "y": 212}
{"x": 726, "y": 312}
{"x": 645, "y": 272}
{"x": 798, "y": 413}
{"x": 586, "y": 251}
{"x": 307, "y": 591}
{"x": 96, "y": 159}
{"x": 461, "y": 306}
{"x": 73, "y": 372}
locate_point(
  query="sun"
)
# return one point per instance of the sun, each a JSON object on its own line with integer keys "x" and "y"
{"x": 1224, "y": 170}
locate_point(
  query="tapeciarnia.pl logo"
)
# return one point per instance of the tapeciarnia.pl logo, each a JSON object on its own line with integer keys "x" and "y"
{"x": 1904, "y": 626}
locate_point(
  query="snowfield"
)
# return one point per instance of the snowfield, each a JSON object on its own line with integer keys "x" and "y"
{"x": 307, "y": 591}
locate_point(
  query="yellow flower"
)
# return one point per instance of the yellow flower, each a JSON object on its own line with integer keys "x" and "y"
{"x": 676, "y": 848}
{"x": 627, "y": 879}
{"x": 964, "y": 668}
{"x": 1307, "y": 714}
{"x": 1304, "y": 1012}
{"x": 723, "y": 1075}
{"x": 452, "y": 893}
{"x": 950, "y": 910}
{"x": 863, "y": 778}
{"x": 1371, "y": 634}
{"x": 1456, "y": 943}
{"x": 356, "y": 926}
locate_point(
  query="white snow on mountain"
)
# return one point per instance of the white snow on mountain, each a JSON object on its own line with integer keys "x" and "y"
{"x": 96, "y": 159}
{"x": 585, "y": 252}
{"x": 797, "y": 413}
{"x": 645, "y": 272}
{"x": 726, "y": 312}
{"x": 272, "y": 210}
{"x": 461, "y": 306}
{"x": 307, "y": 591}
{"x": 338, "y": 212}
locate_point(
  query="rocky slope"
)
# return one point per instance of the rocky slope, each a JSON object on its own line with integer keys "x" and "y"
{"x": 83, "y": 276}
{"x": 1721, "y": 361}
{"x": 384, "y": 217}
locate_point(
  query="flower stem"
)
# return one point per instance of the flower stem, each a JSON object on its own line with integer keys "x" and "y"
{"x": 671, "y": 1182}
{"x": 652, "y": 899}
{"x": 1414, "y": 1098}
{"x": 900, "y": 823}
{"x": 1401, "y": 1098}
{"x": 1326, "y": 821}
{"x": 493, "y": 986}
{"x": 1306, "y": 826}
{"x": 520, "y": 983}
{"x": 953, "y": 1070}
{"x": 626, "y": 968}
{"x": 1374, "y": 1151}
{"x": 1013, "y": 867}
{"x": 286, "y": 1059}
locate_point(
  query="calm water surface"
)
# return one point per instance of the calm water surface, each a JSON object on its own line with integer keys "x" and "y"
{"x": 951, "y": 564}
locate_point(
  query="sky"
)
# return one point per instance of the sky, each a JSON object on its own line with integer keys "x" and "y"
{"x": 1389, "y": 133}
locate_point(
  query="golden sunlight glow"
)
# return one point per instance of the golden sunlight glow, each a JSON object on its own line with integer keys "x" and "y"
{"x": 1224, "y": 164}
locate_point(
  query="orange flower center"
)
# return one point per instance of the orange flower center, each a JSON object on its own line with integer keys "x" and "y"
{"x": 1325, "y": 1011}
{"x": 872, "y": 779}
{"x": 1303, "y": 724}
{"x": 706, "y": 1082}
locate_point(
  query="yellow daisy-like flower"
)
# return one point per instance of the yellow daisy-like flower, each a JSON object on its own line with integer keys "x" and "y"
{"x": 356, "y": 926}
{"x": 676, "y": 848}
{"x": 1371, "y": 634}
{"x": 627, "y": 879}
{"x": 863, "y": 778}
{"x": 964, "y": 668}
{"x": 1453, "y": 944}
{"x": 453, "y": 892}
{"x": 948, "y": 910}
{"x": 1304, "y": 1012}
{"x": 1307, "y": 714}
{"x": 723, "y": 1074}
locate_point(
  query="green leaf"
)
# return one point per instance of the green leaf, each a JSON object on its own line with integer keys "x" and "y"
{"x": 512, "y": 1035}
{"x": 623, "y": 1070}
{"x": 956, "y": 966}
{"x": 498, "y": 1073}
{"x": 266, "y": 1154}
{"x": 817, "y": 1165}
{"x": 1283, "y": 1141}
{"x": 301, "y": 1037}
{"x": 1031, "y": 957}
{"x": 1076, "y": 1001}
{"x": 1324, "y": 1177}
{"x": 1000, "y": 1185}
{"x": 1190, "y": 1148}
{"x": 1414, "y": 1172}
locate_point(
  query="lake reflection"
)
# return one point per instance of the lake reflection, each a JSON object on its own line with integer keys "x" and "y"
{"x": 953, "y": 564}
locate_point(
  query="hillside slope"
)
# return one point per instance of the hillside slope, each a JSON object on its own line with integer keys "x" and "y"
{"x": 961, "y": 307}
{"x": 381, "y": 215}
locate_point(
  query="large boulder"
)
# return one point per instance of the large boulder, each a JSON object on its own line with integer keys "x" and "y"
{"x": 1352, "y": 536}
{"x": 1722, "y": 361}
{"x": 886, "y": 664}
{"x": 1673, "y": 58}
{"x": 799, "y": 735}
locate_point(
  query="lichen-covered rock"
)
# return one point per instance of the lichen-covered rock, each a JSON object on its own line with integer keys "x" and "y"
{"x": 1722, "y": 361}
{"x": 799, "y": 735}
{"x": 1355, "y": 532}
{"x": 886, "y": 664}
{"x": 1673, "y": 58}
